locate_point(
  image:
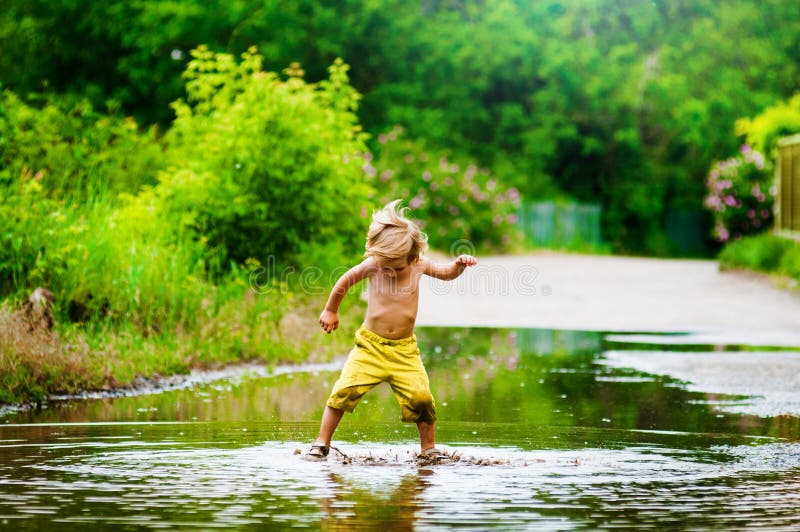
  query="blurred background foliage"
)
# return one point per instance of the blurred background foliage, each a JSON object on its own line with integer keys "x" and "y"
{"x": 221, "y": 133}
{"x": 620, "y": 102}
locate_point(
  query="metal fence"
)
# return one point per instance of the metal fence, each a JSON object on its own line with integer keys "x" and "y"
{"x": 787, "y": 179}
{"x": 561, "y": 225}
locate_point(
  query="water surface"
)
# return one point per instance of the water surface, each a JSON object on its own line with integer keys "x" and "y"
{"x": 550, "y": 435}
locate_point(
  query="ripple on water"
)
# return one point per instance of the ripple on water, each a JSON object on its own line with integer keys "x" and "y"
{"x": 154, "y": 487}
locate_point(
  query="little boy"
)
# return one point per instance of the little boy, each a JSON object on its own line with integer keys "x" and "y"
{"x": 385, "y": 347}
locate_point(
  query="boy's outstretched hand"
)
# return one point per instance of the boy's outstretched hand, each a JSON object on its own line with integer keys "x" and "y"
{"x": 466, "y": 260}
{"x": 329, "y": 321}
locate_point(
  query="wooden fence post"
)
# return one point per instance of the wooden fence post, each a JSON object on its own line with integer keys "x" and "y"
{"x": 787, "y": 183}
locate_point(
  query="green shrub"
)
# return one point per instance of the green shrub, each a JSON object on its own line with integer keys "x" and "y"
{"x": 790, "y": 262}
{"x": 763, "y": 131}
{"x": 766, "y": 253}
{"x": 276, "y": 162}
{"x": 453, "y": 201}
{"x": 75, "y": 150}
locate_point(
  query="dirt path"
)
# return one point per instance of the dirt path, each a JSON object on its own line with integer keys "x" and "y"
{"x": 583, "y": 292}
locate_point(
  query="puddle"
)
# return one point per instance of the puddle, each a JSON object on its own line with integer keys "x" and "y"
{"x": 555, "y": 430}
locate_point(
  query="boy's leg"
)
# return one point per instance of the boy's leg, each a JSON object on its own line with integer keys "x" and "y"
{"x": 330, "y": 420}
{"x": 427, "y": 434}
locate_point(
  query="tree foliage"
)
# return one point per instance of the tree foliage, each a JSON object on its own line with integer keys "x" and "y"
{"x": 276, "y": 164}
{"x": 621, "y": 102}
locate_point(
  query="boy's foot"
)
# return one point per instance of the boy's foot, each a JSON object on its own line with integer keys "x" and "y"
{"x": 317, "y": 453}
{"x": 434, "y": 456}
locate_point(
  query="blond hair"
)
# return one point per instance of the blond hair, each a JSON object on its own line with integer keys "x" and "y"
{"x": 393, "y": 236}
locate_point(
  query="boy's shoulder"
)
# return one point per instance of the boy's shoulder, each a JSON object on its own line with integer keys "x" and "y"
{"x": 368, "y": 265}
{"x": 424, "y": 263}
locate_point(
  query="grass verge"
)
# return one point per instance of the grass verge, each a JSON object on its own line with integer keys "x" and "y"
{"x": 36, "y": 362}
{"x": 768, "y": 253}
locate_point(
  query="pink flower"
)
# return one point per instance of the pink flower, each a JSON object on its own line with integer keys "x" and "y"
{"x": 426, "y": 176}
{"x": 369, "y": 169}
{"x": 745, "y": 148}
{"x": 462, "y": 197}
{"x": 730, "y": 201}
{"x": 713, "y": 202}
{"x": 452, "y": 210}
{"x": 382, "y": 138}
{"x": 512, "y": 218}
{"x": 751, "y": 213}
{"x": 415, "y": 202}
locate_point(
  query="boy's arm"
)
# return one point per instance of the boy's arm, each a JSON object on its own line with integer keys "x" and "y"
{"x": 329, "y": 319}
{"x": 450, "y": 271}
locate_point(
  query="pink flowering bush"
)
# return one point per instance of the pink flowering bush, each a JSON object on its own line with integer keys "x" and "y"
{"x": 453, "y": 202}
{"x": 741, "y": 195}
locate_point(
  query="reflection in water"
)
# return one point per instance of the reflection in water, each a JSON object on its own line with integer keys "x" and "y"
{"x": 357, "y": 505}
{"x": 580, "y": 445}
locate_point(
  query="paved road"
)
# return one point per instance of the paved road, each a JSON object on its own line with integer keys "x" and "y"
{"x": 623, "y": 294}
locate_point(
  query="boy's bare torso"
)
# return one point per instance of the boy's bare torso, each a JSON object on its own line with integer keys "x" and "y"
{"x": 393, "y": 292}
{"x": 393, "y": 298}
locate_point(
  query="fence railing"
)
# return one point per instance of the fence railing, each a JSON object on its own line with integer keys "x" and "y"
{"x": 561, "y": 225}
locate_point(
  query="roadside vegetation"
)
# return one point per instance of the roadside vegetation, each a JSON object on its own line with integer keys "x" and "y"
{"x": 766, "y": 253}
{"x": 184, "y": 179}
{"x": 741, "y": 193}
{"x": 211, "y": 242}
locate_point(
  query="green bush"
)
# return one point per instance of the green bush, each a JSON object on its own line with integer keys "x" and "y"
{"x": 790, "y": 262}
{"x": 73, "y": 149}
{"x": 453, "y": 201}
{"x": 766, "y": 253}
{"x": 764, "y": 131}
{"x": 259, "y": 167}
{"x": 276, "y": 164}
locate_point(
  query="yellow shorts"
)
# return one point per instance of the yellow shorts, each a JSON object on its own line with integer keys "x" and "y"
{"x": 376, "y": 359}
